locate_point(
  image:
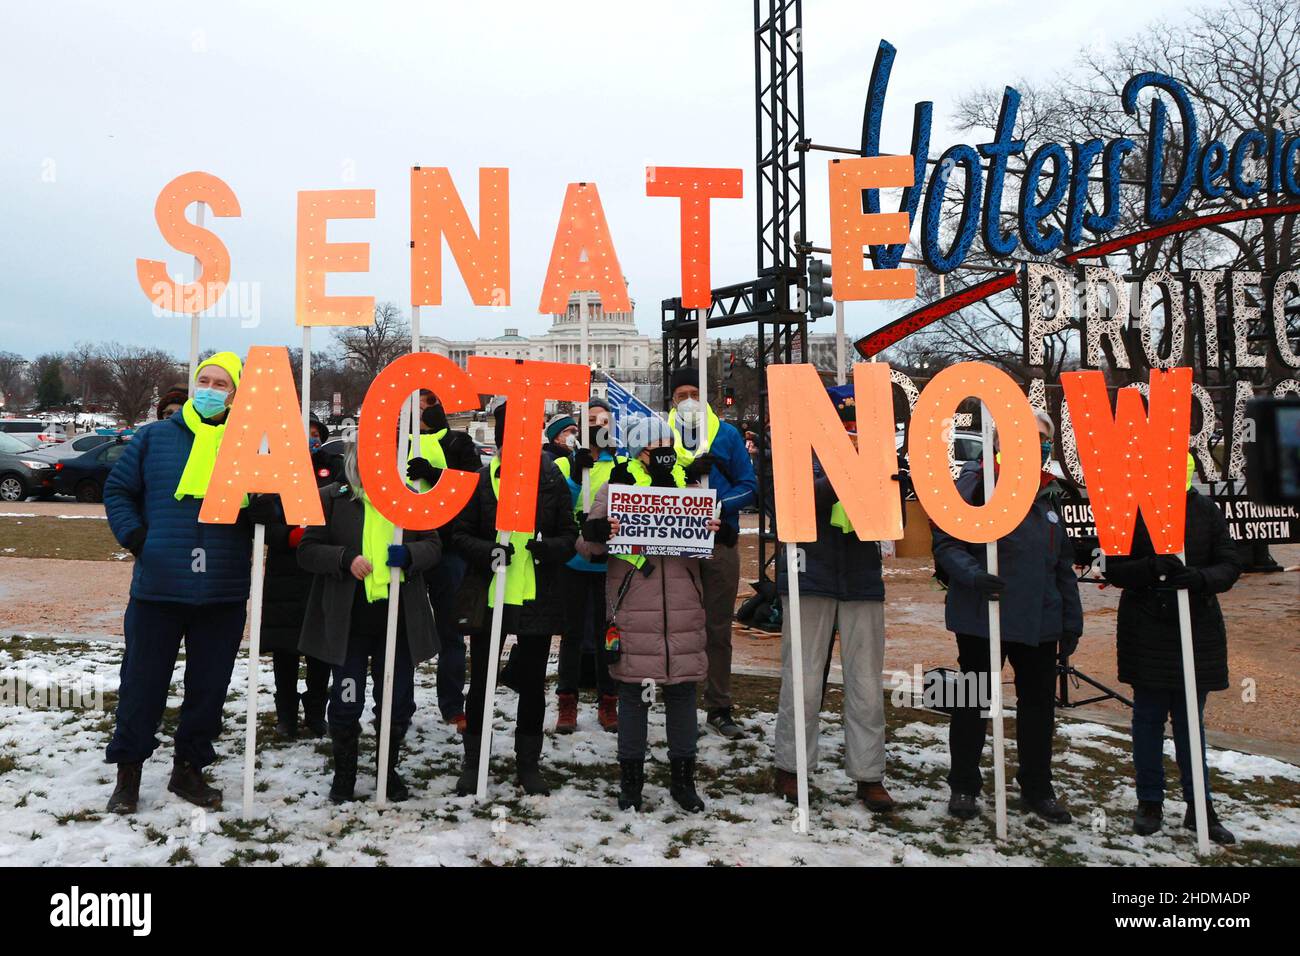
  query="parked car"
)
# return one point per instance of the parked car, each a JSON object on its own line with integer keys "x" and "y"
{"x": 83, "y": 476}
{"x": 73, "y": 447}
{"x": 22, "y": 474}
{"x": 49, "y": 432}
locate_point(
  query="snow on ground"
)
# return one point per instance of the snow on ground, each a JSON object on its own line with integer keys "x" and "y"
{"x": 53, "y": 786}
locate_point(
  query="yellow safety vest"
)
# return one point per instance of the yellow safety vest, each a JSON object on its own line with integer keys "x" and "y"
{"x": 684, "y": 456}
{"x": 521, "y": 576}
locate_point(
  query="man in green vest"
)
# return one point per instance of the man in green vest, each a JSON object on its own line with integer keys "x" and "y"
{"x": 582, "y": 582}
{"x": 439, "y": 446}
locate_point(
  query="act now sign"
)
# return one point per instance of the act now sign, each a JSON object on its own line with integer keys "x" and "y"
{"x": 662, "y": 521}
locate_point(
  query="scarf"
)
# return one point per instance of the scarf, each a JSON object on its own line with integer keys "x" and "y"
{"x": 376, "y": 536}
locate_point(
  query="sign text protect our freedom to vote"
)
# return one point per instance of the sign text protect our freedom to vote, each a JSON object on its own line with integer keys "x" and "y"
{"x": 662, "y": 521}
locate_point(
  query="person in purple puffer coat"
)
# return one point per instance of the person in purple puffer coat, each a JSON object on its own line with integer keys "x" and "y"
{"x": 658, "y": 605}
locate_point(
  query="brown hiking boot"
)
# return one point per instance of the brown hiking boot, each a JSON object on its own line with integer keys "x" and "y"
{"x": 126, "y": 795}
{"x": 786, "y": 785}
{"x": 567, "y": 722}
{"x": 607, "y": 712}
{"x": 187, "y": 782}
{"x": 875, "y": 796}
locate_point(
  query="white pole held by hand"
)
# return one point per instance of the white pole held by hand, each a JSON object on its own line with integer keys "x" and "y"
{"x": 306, "y": 380}
{"x": 194, "y": 318}
{"x": 405, "y": 436}
{"x": 254, "y": 652}
{"x": 1193, "y": 718}
{"x": 995, "y": 644}
{"x": 582, "y": 422}
{"x": 841, "y": 372}
{"x": 702, "y": 422}
{"x": 494, "y": 659}
{"x": 796, "y": 683}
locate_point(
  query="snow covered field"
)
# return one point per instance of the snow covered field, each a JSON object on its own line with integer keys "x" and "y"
{"x": 53, "y": 787}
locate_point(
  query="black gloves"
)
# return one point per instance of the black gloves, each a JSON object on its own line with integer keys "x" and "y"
{"x": 726, "y": 535}
{"x": 1069, "y": 643}
{"x": 596, "y": 530}
{"x": 500, "y": 555}
{"x": 419, "y": 469}
{"x": 701, "y": 466}
{"x": 581, "y": 459}
{"x": 1189, "y": 579}
{"x": 619, "y": 475}
{"x": 988, "y": 584}
{"x": 536, "y": 549}
{"x": 135, "y": 543}
{"x": 1164, "y": 567}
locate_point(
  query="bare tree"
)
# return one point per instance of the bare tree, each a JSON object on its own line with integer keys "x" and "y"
{"x": 359, "y": 354}
{"x": 133, "y": 375}
{"x": 13, "y": 386}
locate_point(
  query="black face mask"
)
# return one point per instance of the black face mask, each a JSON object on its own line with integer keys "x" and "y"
{"x": 662, "y": 461}
{"x": 434, "y": 418}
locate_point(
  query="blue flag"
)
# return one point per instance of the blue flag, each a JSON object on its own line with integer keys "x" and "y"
{"x": 624, "y": 408}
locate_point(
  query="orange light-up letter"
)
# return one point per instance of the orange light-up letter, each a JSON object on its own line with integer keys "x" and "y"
{"x": 266, "y": 406}
{"x": 526, "y": 387}
{"x": 316, "y": 257}
{"x": 185, "y": 236}
{"x": 927, "y": 449}
{"x": 852, "y": 230}
{"x": 377, "y": 441}
{"x": 803, "y": 421}
{"x": 483, "y": 257}
{"x": 583, "y": 256}
{"x": 1135, "y": 460}
{"x": 695, "y": 186}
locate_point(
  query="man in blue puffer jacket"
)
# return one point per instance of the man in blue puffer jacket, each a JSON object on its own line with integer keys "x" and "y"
{"x": 190, "y": 583}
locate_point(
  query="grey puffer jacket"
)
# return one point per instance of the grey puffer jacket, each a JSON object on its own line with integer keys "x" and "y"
{"x": 661, "y": 617}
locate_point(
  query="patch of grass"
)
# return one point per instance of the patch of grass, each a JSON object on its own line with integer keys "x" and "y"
{"x": 77, "y": 816}
{"x": 7, "y": 763}
{"x": 243, "y": 857}
{"x": 179, "y": 856}
{"x": 46, "y": 536}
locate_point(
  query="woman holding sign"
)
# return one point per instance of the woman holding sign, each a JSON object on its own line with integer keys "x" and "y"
{"x": 352, "y": 558}
{"x": 657, "y": 621}
{"x": 532, "y": 611}
{"x": 1149, "y": 649}
{"x": 1041, "y": 616}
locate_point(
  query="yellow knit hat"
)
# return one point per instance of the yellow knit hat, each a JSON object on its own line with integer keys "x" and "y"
{"x": 227, "y": 361}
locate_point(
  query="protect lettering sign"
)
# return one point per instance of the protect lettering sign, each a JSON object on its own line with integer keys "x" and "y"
{"x": 662, "y": 521}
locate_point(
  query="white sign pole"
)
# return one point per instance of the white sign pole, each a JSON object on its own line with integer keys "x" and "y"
{"x": 841, "y": 374}
{"x": 995, "y": 645}
{"x": 254, "y": 652}
{"x": 792, "y": 559}
{"x": 702, "y": 423}
{"x": 585, "y": 358}
{"x": 494, "y": 659}
{"x": 194, "y": 318}
{"x": 394, "y": 589}
{"x": 1193, "y": 718}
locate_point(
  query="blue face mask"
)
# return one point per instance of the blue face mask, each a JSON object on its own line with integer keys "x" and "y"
{"x": 313, "y": 443}
{"x": 1047, "y": 451}
{"x": 209, "y": 402}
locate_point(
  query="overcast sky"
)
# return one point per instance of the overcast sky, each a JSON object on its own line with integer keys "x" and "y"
{"x": 105, "y": 103}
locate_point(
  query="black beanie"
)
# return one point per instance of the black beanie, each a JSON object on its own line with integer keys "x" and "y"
{"x": 322, "y": 427}
{"x": 499, "y": 416}
{"x": 684, "y": 376}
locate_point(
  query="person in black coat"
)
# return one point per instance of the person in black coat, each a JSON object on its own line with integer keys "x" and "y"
{"x": 1041, "y": 617}
{"x": 442, "y": 447}
{"x": 1149, "y": 650}
{"x": 284, "y": 602}
{"x": 532, "y": 612}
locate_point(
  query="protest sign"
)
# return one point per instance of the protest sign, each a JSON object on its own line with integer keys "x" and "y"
{"x": 662, "y": 521}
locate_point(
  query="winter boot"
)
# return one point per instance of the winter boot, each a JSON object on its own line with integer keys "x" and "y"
{"x": 126, "y": 795}
{"x": 875, "y": 797}
{"x": 608, "y": 713}
{"x": 567, "y": 722}
{"x": 1046, "y": 808}
{"x": 286, "y": 716}
{"x": 314, "y": 719}
{"x": 1149, "y": 817}
{"x": 631, "y": 780}
{"x": 963, "y": 806}
{"x": 467, "y": 782}
{"x": 397, "y": 789}
{"x": 344, "y": 740}
{"x": 683, "y": 784}
{"x": 528, "y": 773}
{"x": 1218, "y": 832}
{"x": 786, "y": 785}
{"x": 187, "y": 783}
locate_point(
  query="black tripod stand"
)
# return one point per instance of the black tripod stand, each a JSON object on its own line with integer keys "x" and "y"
{"x": 1067, "y": 672}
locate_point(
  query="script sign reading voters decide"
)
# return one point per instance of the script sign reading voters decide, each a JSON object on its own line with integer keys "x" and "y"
{"x": 662, "y": 521}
